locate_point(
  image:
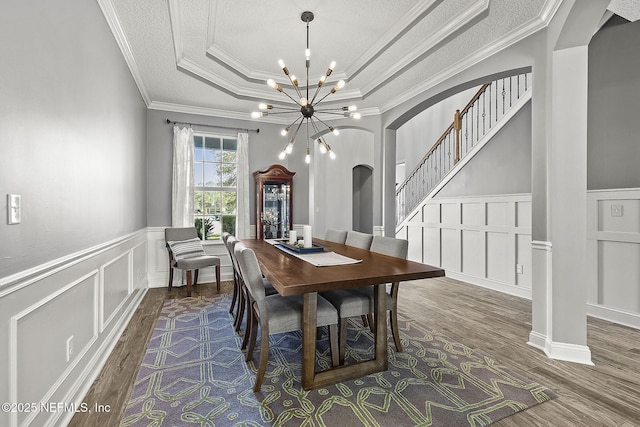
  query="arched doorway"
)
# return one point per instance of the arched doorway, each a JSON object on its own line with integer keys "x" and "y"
{"x": 362, "y": 208}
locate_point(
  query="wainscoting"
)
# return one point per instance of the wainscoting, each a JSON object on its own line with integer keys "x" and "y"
{"x": 481, "y": 240}
{"x": 60, "y": 321}
{"x": 486, "y": 241}
{"x": 613, "y": 251}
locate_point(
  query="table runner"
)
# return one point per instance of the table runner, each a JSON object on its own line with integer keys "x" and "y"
{"x": 320, "y": 259}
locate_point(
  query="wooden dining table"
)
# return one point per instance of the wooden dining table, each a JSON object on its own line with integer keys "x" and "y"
{"x": 291, "y": 275}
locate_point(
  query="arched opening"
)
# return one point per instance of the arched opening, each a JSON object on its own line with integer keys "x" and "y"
{"x": 362, "y": 201}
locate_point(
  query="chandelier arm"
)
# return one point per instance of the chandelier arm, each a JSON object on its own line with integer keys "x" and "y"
{"x": 316, "y": 94}
{"x": 321, "y": 99}
{"x": 293, "y": 138}
{"x": 315, "y": 127}
{"x": 331, "y": 112}
{"x": 321, "y": 121}
{"x": 273, "y": 113}
{"x": 291, "y": 98}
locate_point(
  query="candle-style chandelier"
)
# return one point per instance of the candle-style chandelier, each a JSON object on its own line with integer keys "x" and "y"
{"x": 306, "y": 108}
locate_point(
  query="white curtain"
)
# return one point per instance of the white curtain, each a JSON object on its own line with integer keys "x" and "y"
{"x": 182, "y": 189}
{"x": 243, "y": 215}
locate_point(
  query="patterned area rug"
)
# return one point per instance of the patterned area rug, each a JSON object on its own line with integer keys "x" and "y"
{"x": 194, "y": 373}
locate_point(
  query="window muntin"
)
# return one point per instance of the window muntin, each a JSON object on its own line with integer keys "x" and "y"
{"x": 215, "y": 172}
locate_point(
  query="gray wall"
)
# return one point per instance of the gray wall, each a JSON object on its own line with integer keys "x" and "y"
{"x": 264, "y": 148}
{"x": 613, "y": 153}
{"x": 503, "y": 166}
{"x": 72, "y": 132}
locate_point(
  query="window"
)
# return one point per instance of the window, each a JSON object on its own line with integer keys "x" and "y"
{"x": 215, "y": 185}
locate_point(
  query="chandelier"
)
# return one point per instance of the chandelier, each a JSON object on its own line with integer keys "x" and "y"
{"x": 306, "y": 109}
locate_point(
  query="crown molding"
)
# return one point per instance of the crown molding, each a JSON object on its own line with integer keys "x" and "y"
{"x": 451, "y": 27}
{"x": 109, "y": 12}
{"x": 518, "y": 34}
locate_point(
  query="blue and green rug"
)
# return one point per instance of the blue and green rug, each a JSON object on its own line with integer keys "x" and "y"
{"x": 194, "y": 373}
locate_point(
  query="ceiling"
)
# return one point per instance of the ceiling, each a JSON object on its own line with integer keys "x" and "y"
{"x": 213, "y": 57}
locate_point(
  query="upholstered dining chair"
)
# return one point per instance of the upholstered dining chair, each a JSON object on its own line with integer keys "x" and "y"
{"x": 186, "y": 253}
{"x": 358, "y": 240}
{"x": 359, "y": 301}
{"x": 235, "y": 298}
{"x": 337, "y": 236}
{"x": 243, "y": 297}
{"x": 278, "y": 314}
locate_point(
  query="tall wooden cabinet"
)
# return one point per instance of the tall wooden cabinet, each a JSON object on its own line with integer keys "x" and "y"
{"x": 274, "y": 202}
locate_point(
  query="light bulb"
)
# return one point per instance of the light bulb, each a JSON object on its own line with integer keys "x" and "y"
{"x": 289, "y": 148}
{"x": 332, "y": 65}
{"x": 335, "y": 131}
{"x": 303, "y": 101}
{"x": 307, "y": 54}
{"x": 281, "y": 63}
{"x": 321, "y": 81}
{"x": 294, "y": 80}
{"x": 356, "y": 116}
{"x": 256, "y": 115}
{"x": 307, "y": 158}
{"x": 352, "y": 108}
{"x": 338, "y": 86}
{"x": 282, "y": 155}
{"x": 322, "y": 146}
{"x": 263, "y": 106}
{"x": 284, "y": 131}
{"x": 332, "y": 154}
{"x": 272, "y": 83}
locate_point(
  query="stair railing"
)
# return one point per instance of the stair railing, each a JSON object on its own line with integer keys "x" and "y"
{"x": 470, "y": 124}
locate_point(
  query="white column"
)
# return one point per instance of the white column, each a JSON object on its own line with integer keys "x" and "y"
{"x": 559, "y": 251}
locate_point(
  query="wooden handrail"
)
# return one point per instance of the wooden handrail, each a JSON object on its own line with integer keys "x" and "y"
{"x": 451, "y": 127}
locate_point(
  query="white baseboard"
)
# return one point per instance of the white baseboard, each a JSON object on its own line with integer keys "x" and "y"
{"x": 614, "y": 315}
{"x": 491, "y": 284}
{"x": 561, "y": 351}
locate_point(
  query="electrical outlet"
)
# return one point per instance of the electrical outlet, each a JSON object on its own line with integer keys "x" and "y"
{"x": 69, "y": 348}
{"x": 616, "y": 210}
{"x": 519, "y": 269}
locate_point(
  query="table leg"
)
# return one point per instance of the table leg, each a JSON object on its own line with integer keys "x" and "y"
{"x": 380, "y": 307}
{"x": 309, "y": 316}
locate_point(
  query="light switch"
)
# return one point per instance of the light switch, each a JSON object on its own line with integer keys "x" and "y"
{"x": 616, "y": 210}
{"x": 14, "y": 209}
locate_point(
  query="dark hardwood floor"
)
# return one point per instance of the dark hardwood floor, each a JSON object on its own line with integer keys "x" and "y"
{"x": 607, "y": 394}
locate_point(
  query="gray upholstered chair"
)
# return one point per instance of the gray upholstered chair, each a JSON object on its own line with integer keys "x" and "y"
{"x": 277, "y": 314}
{"x": 235, "y": 299}
{"x": 358, "y": 240}
{"x": 244, "y": 307}
{"x": 186, "y": 253}
{"x": 359, "y": 301}
{"x": 337, "y": 236}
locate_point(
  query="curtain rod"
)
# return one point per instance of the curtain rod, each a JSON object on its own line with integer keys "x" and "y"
{"x": 213, "y": 126}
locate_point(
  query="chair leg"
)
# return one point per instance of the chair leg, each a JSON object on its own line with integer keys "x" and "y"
{"x": 189, "y": 285}
{"x": 334, "y": 345}
{"x": 342, "y": 325}
{"x": 170, "y": 277}
{"x": 264, "y": 356}
{"x": 372, "y": 323}
{"x": 249, "y": 324}
{"x": 365, "y": 320}
{"x": 195, "y": 280}
{"x": 218, "y": 278}
{"x": 243, "y": 305}
{"x": 234, "y": 298}
{"x": 393, "y": 316}
{"x": 252, "y": 339}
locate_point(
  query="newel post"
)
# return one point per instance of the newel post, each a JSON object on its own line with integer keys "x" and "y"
{"x": 457, "y": 126}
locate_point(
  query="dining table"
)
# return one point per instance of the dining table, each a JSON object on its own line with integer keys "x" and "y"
{"x": 290, "y": 274}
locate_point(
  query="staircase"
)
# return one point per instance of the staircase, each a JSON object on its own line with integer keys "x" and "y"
{"x": 484, "y": 115}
